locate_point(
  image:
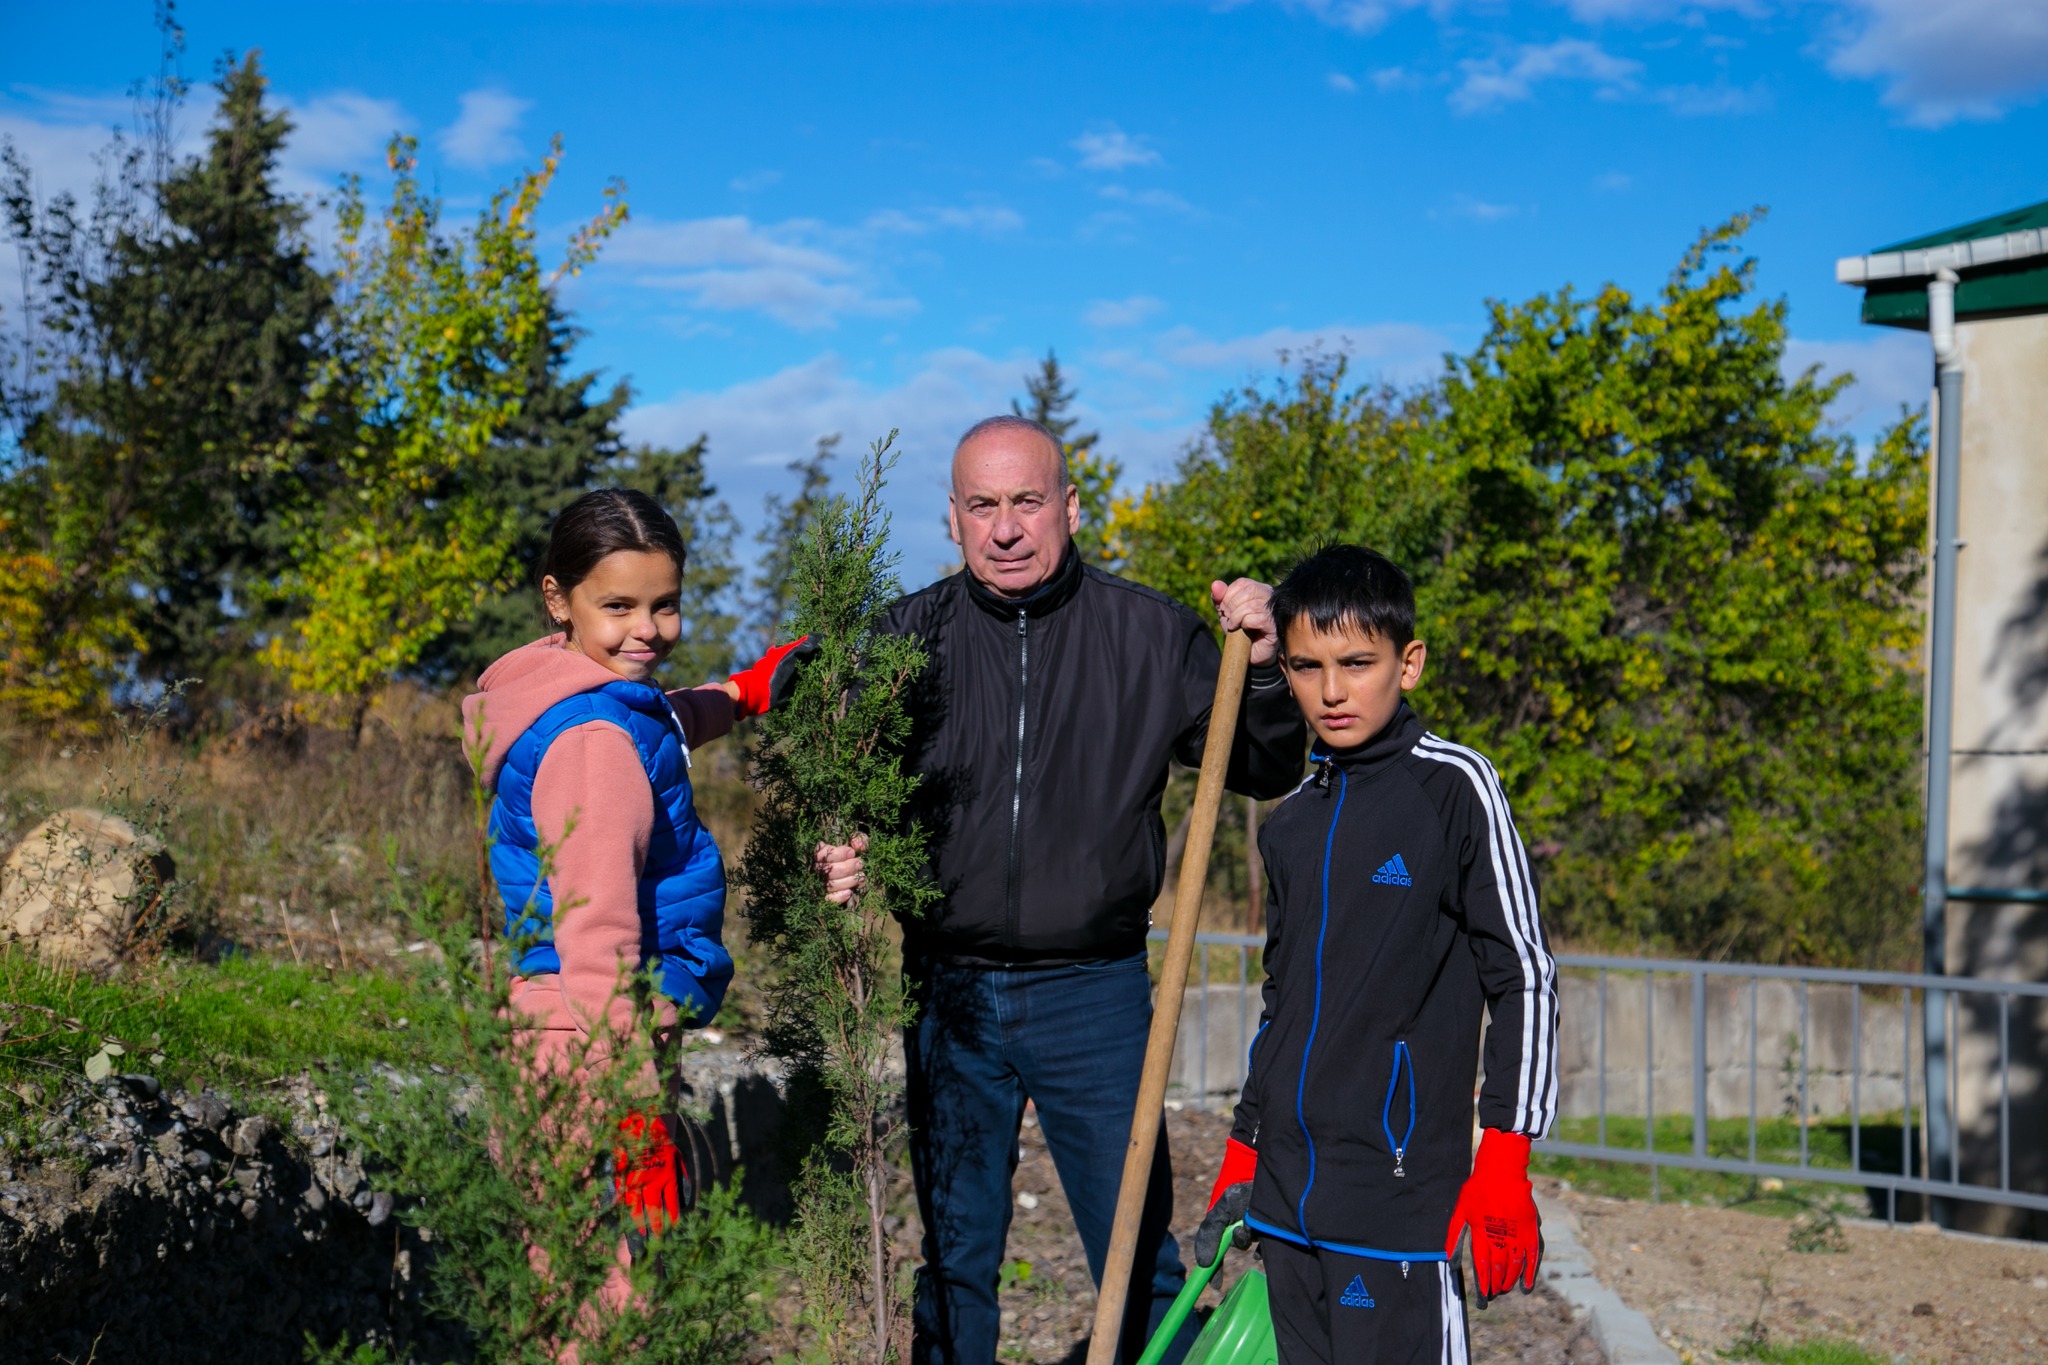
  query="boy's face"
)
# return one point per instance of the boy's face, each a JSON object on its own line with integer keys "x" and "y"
{"x": 1348, "y": 683}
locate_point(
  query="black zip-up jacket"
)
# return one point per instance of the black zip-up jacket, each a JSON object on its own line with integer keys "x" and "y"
{"x": 1041, "y": 731}
{"x": 1400, "y": 907}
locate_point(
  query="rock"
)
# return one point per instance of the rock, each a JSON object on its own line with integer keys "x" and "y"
{"x": 246, "y": 1138}
{"x": 381, "y": 1204}
{"x": 75, "y": 886}
{"x": 315, "y": 1197}
{"x": 206, "y": 1109}
{"x": 141, "y": 1086}
{"x": 198, "y": 1160}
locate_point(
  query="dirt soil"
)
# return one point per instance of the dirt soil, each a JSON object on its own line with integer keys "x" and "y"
{"x": 1705, "y": 1275}
{"x": 1047, "y": 1316}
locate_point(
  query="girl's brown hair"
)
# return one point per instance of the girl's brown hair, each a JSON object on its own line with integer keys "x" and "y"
{"x": 603, "y": 522}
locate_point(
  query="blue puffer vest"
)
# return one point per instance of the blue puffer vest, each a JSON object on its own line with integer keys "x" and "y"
{"x": 682, "y": 885}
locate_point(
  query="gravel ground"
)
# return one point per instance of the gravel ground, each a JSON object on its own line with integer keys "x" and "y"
{"x": 1704, "y": 1276}
{"x": 1047, "y": 1315}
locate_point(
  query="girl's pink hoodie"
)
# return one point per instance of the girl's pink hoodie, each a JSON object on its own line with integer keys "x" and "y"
{"x": 593, "y": 774}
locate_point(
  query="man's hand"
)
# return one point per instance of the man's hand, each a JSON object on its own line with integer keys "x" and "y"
{"x": 840, "y": 866}
{"x": 1243, "y": 605}
{"x": 1500, "y": 1208}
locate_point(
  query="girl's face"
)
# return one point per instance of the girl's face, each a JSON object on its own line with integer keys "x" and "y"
{"x": 626, "y": 614}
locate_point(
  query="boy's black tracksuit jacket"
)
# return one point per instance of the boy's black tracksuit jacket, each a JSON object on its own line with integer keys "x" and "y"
{"x": 1400, "y": 906}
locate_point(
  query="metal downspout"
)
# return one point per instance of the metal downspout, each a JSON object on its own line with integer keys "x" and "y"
{"x": 1940, "y": 1121}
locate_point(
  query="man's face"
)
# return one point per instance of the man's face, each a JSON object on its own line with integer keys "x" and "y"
{"x": 1348, "y": 683}
{"x": 1011, "y": 519}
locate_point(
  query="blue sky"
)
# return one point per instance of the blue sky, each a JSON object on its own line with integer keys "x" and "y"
{"x": 848, "y": 217}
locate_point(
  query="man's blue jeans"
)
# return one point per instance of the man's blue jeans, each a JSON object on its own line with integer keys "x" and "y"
{"x": 1071, "y": 1040}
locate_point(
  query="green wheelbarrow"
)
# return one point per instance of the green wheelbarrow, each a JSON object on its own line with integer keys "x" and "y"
{"x": 1239, "y": 1332}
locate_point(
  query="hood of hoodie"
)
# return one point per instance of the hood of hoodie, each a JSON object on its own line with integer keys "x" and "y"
{"x": 517, "y": 690}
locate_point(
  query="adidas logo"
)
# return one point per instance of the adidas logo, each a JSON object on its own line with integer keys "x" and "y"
{"x": 1393, "y": 872}
{"x": 1355, "y": 1295}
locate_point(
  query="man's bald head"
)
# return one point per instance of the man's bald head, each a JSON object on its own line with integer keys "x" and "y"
{"x": 1011, "y": 426}
{"x": 1013, "y": 511}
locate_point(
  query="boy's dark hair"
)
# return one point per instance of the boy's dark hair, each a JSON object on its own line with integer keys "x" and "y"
{"x": 605, "y": 521}
{"x": 1346, "y": 585}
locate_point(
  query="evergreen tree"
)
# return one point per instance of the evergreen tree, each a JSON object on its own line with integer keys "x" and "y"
{"x": 828, "y": 768}
{"x": 1094, "y": 475}
{"x": 165, "y": 342}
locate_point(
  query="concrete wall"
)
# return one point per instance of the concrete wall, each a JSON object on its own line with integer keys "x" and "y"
{"x": 1998, "y": 832}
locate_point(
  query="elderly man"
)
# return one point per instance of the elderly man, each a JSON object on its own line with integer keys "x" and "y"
{"x": 1055, "y": 696}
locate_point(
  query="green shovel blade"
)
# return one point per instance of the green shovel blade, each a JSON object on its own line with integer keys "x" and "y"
{"x": 1239, "y": 1332}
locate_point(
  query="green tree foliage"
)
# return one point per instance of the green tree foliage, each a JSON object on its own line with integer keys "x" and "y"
{"x": 828, "y": 768}
{"x": 165, "y": 343}
{"x": 1094, "y": 474}
{"x": 564, "y": 441}
{"x": 436, "y": 343}
{"x": 1677, "y": 611}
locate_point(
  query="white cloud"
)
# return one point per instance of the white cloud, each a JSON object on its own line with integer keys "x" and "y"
{"x": 1491, "y": 82}
{"x": 333, "y": 135}
{"x": 1362, "y": 16}
{"x": 1892, "y": 369}
{"x": 1389, "y": 78}
{"x": 1107, "y": 313}
{"x": 755, "y": 181}
{"x": 964, "y": 218}
{"x": 1956, "y": 59}
{"x": 483, "y": 135}
{"x": 1112, "y": 149}
{"x": 1149, "y": 199}
{"x": 1479, "y": 210}
{"x": 733, "y": 264}
{"x": 1341, "y": 83}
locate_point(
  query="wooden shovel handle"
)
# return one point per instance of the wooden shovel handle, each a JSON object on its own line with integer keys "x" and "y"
{"x": 1173, "y": 980}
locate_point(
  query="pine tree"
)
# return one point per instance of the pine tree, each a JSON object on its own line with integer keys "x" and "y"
{"x": 828, "y": 768}
{"x": 1094, "y": 475}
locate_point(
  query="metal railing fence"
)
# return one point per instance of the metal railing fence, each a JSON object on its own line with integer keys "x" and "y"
{"x": 1722, "y": 1023}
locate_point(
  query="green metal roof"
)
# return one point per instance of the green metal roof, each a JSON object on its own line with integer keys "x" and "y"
{"x": 1990, "y": 292}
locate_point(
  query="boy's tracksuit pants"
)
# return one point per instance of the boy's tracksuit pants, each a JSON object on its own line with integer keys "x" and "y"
{"x": 1333, "y": 1309}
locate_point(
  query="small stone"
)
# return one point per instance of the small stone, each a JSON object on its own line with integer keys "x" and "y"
{"x": 362, "y": 1198}
{"x": 198, "y": 1160}
{"x": 142, "y": 1086}
{"x": 1026, "y": 1200}
{"x": 206, "y": 1109}
{"x": 316, "y": 1198}
{"x": 322, "y": 1145}
{"x": 246, "y": 1138}
{"x": 1923, "y": 1310}
{"x": 381, "y": 1204}
{"x": 250, "y": 1208}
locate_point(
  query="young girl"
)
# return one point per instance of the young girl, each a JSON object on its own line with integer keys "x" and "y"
{"x": 589, "y": 760}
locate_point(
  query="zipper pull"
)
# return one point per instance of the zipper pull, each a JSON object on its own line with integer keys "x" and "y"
{"x": 1399, "y": 1174}
{"x": 1404, "y": 1270}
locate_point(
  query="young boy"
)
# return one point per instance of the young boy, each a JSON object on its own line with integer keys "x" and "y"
{"x": 1400, "y": 907}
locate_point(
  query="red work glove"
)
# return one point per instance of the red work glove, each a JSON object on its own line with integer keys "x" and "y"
{"x": 649, "y": 1178}
{"x": 766, "y": 683}
{"x": 1229, "y": 1201}
{"x": 1500, "y": 1208}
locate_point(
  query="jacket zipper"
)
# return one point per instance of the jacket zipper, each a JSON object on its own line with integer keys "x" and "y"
{"x": 1316, "y": 1019}
{"x": 1399, "y": 1149}
{"x": 1013, "y": 892}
